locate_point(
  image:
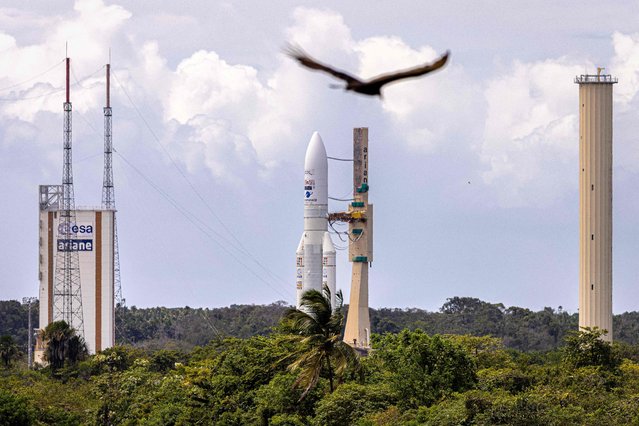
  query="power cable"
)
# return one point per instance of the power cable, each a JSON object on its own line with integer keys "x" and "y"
{"x": 48, "y": 93}
{"x": 32, "y": 78}
{"x": 197, "y": 193}
{"x": 32, "y": 97}
{"x": 191, "y": 218}
{"x": 179, "y": 208}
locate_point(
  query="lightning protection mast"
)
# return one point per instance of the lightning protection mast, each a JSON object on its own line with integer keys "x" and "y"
{"x": 67, "y": 293}
{"x": 108, "y": 191}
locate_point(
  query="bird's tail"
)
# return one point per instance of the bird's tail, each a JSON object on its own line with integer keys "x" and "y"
{"x": 335, "y": 86}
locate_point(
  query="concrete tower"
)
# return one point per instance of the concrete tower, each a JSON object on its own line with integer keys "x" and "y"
{"x": 360, "y": 251}
{"x": 595, "y": 201}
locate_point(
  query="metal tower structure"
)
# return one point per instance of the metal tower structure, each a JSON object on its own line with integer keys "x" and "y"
{"x": 67, "y": 292}
{"x": 29, "y": 301}
{"x": 108, "y": 191}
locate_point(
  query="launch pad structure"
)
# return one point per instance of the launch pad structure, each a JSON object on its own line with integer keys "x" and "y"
{"x": 359, "y": 217}
{"x": 78, "y": 271}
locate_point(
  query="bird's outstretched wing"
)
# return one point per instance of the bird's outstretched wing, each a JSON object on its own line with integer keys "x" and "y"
{"x": 412, "y": 72}
{"x": 304, "y": 59}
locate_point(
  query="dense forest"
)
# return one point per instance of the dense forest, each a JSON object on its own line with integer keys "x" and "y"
{"x": 290, "y": 367}
{"x": 185, "y": 328}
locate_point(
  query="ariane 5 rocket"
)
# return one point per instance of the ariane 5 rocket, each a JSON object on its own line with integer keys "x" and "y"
{"x": 316, "y": 252}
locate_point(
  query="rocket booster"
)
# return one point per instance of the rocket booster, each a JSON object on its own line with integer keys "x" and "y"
{"x": 315, "y": 252}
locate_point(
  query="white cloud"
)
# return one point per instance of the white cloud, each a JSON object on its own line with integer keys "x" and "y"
{"x": 204, "y": 142}
{"x": 625, "y": 66}
{"x": 530, "y": 142}
{"x": 206, "y": 84}
{"x": 88, "y": 30}
{"x": 271, "y": 110}
{"x": 428, "y": 111}
{"x": 324, "y": 30}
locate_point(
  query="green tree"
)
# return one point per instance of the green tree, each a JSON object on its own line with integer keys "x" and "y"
{"x": 14, "y": 410}
{"x": 587, "y": 348}
{"x": 421, "y": 369}
{"x": 62, "y": 345}
{"x": 317, "y": 330}
{"x": 8, "y": 350}
{"x": 350, "y": 402}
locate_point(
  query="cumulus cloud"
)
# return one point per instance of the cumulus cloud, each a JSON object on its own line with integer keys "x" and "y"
{"x": 625, "y": 65}
{"x": 206, "y": 84}
{"x": 428, "y": 111}
{"x": 530, "y": 142}
{"x": 262, "y": 112}
{"x": 88, "y": 30}
{"x": 207, "y": 143}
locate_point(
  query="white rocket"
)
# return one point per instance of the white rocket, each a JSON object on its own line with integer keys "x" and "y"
{"x": 315, "y": 253}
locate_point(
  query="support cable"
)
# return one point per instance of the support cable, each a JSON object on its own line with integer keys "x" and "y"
{"x": 185, "y": 212}
{"x": 197, "y": 193}
{"x": 33, "y": 78}
{"x": 200, "y": 226}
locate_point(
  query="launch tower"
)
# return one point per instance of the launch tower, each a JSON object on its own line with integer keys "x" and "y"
{"x": 67, "y": 295}
{"x": 360, "y": 248}
{"x": 595, "y": 201}
{"x": 76, "y": 253}
{"x": 108, "y": 189}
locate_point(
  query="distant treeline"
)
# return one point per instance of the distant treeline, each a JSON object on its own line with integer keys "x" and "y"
{"x": 184, "y": 328}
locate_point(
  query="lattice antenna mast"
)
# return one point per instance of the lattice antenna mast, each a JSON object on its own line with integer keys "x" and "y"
{"x": 108, "y": 190}
{"x": 67, "y": 293}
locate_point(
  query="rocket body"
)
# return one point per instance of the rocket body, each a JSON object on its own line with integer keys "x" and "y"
{"x": 315, "y": 254}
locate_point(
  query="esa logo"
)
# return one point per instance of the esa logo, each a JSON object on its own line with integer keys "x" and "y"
{"x": 74, "y": 228}
{"x": 308, "y": 194}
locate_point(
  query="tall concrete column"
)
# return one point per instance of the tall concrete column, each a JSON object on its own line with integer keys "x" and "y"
{"x": 595, "y": 201}
{"x": 360, "y": 248}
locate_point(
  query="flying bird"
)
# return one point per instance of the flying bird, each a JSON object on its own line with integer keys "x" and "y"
{"x": 370, "y": 87}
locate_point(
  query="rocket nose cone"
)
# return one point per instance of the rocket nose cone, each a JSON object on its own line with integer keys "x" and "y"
{"x": 316, "y": 153}
{"x": 316, "y": 173}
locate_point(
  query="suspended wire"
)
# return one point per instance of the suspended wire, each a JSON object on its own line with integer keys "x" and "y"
{"x": 32, "y": 78}
{"x": 78, "y": 83}
{"x": 181, "y": 209}
{"x": 207, "y": 320}
{"x": 88, "y": 123}
{"x": 194, "y": 221}
{"x": 341, "y": 199}
{"x": 338, "y": 233}
{"x": 88, "y": 157}
{"x": 340, "y": 159}
{"x": 32, "y": 97}
{"x": 206, "y": 317}
{"x": 184, "y": 212}
{"x": 197, "y": 193}
{"x": 48, "y": 93}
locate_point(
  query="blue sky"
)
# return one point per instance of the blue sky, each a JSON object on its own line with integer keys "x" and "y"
{"x": 473, "y": 169}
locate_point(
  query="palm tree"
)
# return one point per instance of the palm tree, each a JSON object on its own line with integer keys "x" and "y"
{"x": 62, "y": 344}
{"x": 8, "y": 350}
{"x": 317, "y": 328}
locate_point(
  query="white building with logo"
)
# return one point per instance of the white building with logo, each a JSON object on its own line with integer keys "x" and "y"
{"x": 93, "y": 239}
